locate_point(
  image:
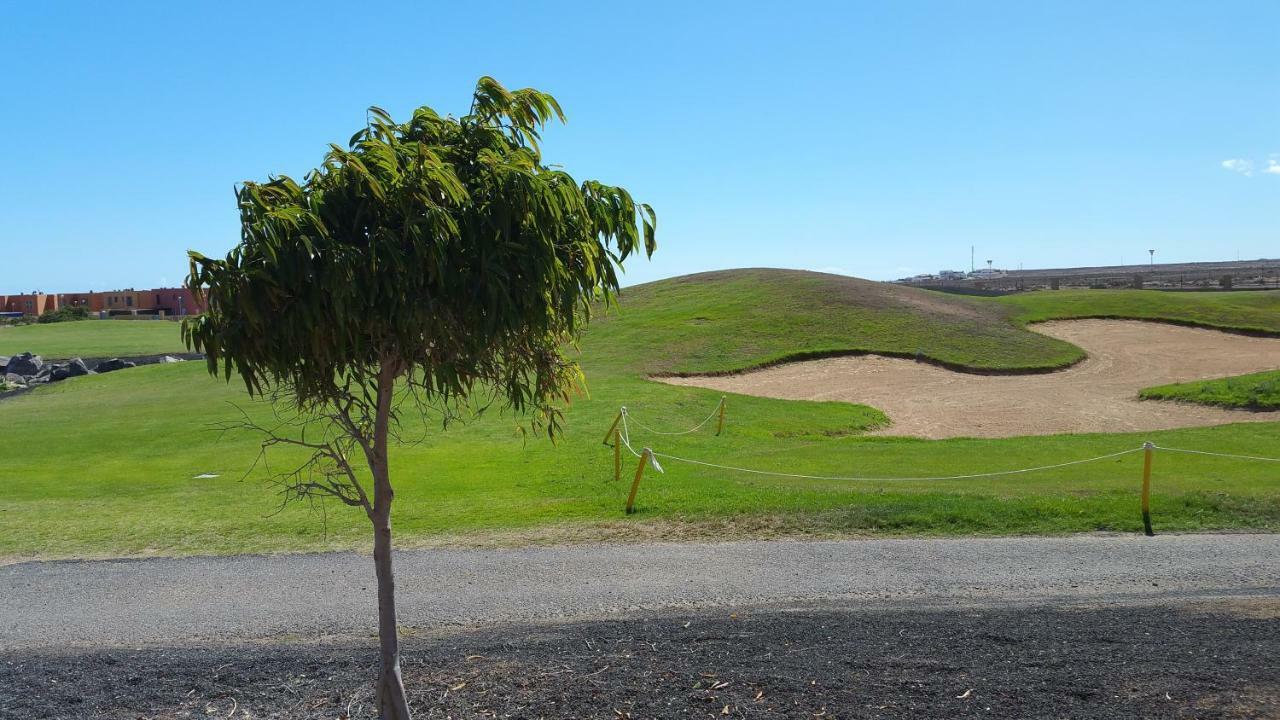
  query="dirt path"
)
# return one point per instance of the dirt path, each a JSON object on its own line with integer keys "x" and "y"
{"x": 1097, "y": 395}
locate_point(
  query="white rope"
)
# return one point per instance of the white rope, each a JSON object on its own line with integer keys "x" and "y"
{"x": 890, "y": 479}
{"x": 625, "y": 435}
{"x": 695, "y": 428}
{"x": 1214, "y": 454}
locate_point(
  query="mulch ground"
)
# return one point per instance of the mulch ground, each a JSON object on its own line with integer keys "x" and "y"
{"x": 1129, "y": 662}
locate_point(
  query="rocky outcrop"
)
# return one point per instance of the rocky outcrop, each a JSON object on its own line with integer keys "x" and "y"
{"x": 113, "y": 365}
{"x": 24, "y": 364}
{"x": 77, "y": 368}
{"x": 26, "y": 370}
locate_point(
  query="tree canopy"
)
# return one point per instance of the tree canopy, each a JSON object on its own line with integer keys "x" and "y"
{"x": 440, "y": 246}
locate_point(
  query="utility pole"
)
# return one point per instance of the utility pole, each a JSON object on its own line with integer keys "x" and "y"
{"x": 971, "y": 268}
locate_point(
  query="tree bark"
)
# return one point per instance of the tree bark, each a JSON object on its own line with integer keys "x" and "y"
{"x": 392, "y": 703}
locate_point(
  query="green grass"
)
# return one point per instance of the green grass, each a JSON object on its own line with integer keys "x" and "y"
{"x": 105, "y": 465}
{"x": 93, "y": 338}
{"x": 1250, "y": 312}
{"x": 1256, "y": 391}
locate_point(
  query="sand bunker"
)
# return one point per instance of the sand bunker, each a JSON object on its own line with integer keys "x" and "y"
{"x": 1099, "y": 394}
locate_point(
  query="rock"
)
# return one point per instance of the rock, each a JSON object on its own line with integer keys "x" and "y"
{"x": 113, "y": 364}
{"x": 37, "y": 380}
{"x": 170, "y": 359}
{"x": 45, "y": 372}
{"x": 15, "y": 379}
{"x": 77, "y": 368}
{"x": 59, "y": 373}
{"x": 24, "y": 364}
{"x": 4, "y": 364}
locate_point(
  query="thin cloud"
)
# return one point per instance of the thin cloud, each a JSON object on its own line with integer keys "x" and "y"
{"x": 1273, "y": 167}
{"x": 1240, "y": 165}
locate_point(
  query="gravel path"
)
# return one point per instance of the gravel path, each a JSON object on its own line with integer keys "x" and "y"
{"x": 1099, "y": 394}
{"x": 158, "y": 601}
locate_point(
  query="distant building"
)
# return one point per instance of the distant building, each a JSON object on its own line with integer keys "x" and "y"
{"x": 169, "y": 302}
{"x": 950, "y": 275}
{"x": 987, "y": 273}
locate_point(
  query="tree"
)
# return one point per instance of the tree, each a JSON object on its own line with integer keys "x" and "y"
{"x": 431, "y": 266}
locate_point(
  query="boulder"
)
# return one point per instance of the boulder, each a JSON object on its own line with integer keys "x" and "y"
{"x": 170, "y": 359}
{"x": 24, "y": 364}
{"x": 4, "y": 364}
{"x": 15, "y": 379}
{"x": 77, "y": 368}
{"x": 59, "y": 373}
{"x": 37, "y": 380}
{"x": 113, "y": 364}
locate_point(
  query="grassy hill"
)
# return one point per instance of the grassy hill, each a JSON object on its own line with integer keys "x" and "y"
{"x": 108, "y": 465}
{"x": 737, "y": 319}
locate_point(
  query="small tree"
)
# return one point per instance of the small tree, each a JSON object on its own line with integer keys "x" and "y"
{"x": 431, "y": 266}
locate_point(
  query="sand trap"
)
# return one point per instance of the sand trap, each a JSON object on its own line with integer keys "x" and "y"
{"x": 1099, "y": 394}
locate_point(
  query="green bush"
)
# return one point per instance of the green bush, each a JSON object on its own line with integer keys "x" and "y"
{"x": 66, "y": 314}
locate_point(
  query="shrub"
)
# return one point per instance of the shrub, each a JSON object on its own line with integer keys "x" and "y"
{"x": 66, "y": 314}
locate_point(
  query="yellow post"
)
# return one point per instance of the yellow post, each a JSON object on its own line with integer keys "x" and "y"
{"x": 617, "y": 455}
{"x": 612, "y": 427}
{"x": 635, "y": 484}
{"x": 720, "y": 426}
{"x": 1146, "y": 487}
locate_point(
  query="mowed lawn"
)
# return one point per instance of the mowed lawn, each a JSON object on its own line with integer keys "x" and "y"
{"x": 107, "y": 465}
{"x": 1255, "y": 391}
{"x": 93, "y": 338}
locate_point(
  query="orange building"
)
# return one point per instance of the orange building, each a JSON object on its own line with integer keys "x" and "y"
{"x": 33, "y": 303}
{"x": 170, "y": 302}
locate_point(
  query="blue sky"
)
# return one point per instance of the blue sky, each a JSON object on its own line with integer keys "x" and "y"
{"x": 873, "y": 139}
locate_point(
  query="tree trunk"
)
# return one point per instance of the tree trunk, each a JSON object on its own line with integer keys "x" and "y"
{"x": 392, "y": 704}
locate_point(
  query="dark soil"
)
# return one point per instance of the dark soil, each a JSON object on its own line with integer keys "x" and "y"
{"x": 1132, "y": 662}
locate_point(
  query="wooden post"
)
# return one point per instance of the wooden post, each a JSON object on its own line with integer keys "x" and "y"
{"x": 1146, "y": 487}
{"x": 635, "y": 484}
{"x": 617, "y": 455}
{"x": 608, "y": 433}
{"x": 720, "y": 426}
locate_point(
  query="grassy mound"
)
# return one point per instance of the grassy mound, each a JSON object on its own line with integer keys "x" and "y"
{"x": 109, "y": 465}
{"x": 737, "y": 319}
{"x": 1256, "y": 391}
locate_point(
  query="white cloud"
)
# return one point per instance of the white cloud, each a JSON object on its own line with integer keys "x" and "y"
{"x": 1273, "y": 167}
{"x": 1240, "y": 165}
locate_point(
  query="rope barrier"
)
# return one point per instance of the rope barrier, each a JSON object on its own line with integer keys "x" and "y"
{"x": 1214, "y": 454}
{"x": 693, "y": 429}
{"x": 650, "y": 457}
{"x": 893, "y": 479}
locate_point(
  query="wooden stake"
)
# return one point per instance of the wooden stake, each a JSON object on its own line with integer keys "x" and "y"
{"x": 635, "y": 484}
{"x": 1146, "y": 487}
{"x": 612, "y": 427}
{"x": 720, "y": 426}
{"x": 617, "y": 455}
